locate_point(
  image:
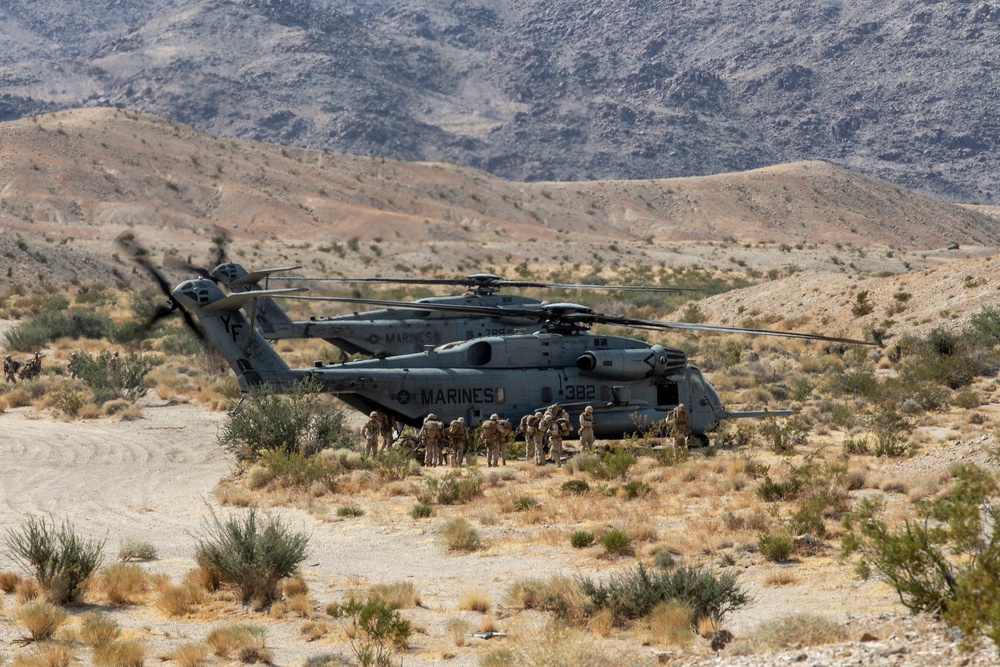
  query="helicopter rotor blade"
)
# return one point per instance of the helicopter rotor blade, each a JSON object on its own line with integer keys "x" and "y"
{"x": 490, "y": 282}
{"x": 573, "y": 314}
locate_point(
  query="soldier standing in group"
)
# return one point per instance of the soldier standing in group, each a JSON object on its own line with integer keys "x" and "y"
{"x": 458, "y": 433}
{"x": 430, "y": 437}
{"x": 555, "y": 433}
{"x": 386, "y": 424}
{"x": 587, "y": 429}
{"x": 681, "y": 425}
{"x": 529, "y": 427}
{"x": 370, "y": 431}
{"x": 538, "y": 443}
{"x": 10, "y": 368}
{"x": 489, "y": 434}
{"x": 73, "y": 366}
{"x": 32, "y": 368}
{"x": 504, "y": 431}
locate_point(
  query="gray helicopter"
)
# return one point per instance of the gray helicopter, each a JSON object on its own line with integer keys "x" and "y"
{"x": 406, "y": 328}
{"x": 629, "y": 383}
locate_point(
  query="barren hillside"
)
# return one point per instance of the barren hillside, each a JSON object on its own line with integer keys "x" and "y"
{"x": 71, "y": 181}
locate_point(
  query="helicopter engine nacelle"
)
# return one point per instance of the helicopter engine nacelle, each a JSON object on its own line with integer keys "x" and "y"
{"x": 631, "y": 364}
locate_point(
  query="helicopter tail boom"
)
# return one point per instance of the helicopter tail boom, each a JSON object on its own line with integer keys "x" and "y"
{"x": 756, "y": 414}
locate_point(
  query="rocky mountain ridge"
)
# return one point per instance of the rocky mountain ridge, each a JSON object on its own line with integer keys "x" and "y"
{"x": 532, "y": 91}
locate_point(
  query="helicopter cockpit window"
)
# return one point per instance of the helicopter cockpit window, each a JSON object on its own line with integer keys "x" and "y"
{"x": 480, "y": 353}
{"x": 697, "y": 387}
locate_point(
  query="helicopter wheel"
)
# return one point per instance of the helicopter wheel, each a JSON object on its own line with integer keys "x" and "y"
{"x": 697, "y": 441}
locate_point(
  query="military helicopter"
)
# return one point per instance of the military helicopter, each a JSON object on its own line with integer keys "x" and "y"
{"x": 629, "y": 383}
{"x": 405, "y": 328}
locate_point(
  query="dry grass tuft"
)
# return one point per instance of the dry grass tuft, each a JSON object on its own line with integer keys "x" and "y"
{"x": 602, "y": 622}
{"x": 301, "y": 605}
{"x": 488, "y": 624}
{"x": 191, "y": 654}
{"x": 41, "y": 619}
{"x": 459, "y": 535}
{"x": 120, "y": 653}
{"x": 98, "y": 629}
{"x": 9, "y": 581}
{"x": 28, "y": 590}
{"x": 312, "y": 630}
{"x": 294, "y": 585}
{"x": 780, "y": 578}
{"x": 174, "y": 600}
{"x": 397, "y": 594}
{"x": 235, "y": 639}
{"x": 670, "y": 625}
{"x": 801, "y": 629}
{"x": 48, "y": 654}
{"x": 474, "y": 599}
{"x": 235, "y": 496}
{"x": 124, "y": 583}
{"x": 559, "y": 645}
{"x": 458, "y": 629}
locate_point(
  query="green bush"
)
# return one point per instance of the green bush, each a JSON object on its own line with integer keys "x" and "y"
{"x": 61, "y": 560}
{"x": 941, "y": 562}
{"x": 301, "y": 421}
{"x": 616, "y": 541}
{"x": 770, "y": 490}
{"x": 420, "y": 511}
{"x": 525, "y": 503}
{"x": 459, "y": 535}
{"x": 109, "y": 377}
{"x": 776, "y": 547}
{"x": 782, "y": 436}
{"x": 984, "y": 326}
{"x": 251, "y": 555}
{"x": 50, "y": 325}
{"x": 664, "y": 560}
{"x": 375, "y": 630}
{"x": 634, "y": 594}
{"x": 301, "y": 470}
{"x": 450, "y": 488}
{"x": 577, "y": 486}
{"x": 581, "y": 539}
{"x": 636, "y": 489}
{"x": 350, "y": 511}
{"x": 610, "y": 463}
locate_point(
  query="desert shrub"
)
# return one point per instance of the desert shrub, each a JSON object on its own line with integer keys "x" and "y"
{"x": 663, "y": 559}
{"x": 798, "y": 630}
{"x": 392, "y": 465}
{"x": 191, "y": 654}
{"x": 636, "y": 489}
{"x": 770, "y": 490}
{"x": 420, "y": 511}
{"x": 581, "y": 539}
{"x": 858, "y": 382}
{"x": 776, "y": 547}
{"x": 984, "y": 326}
{"x": 301, "y": 421}
{"x": 473, "y": 599}
{"x": 783, "y": 435}
{"x": 124, "y": 583}
{"x": 610, "y": 463}
{"x": 890, "y": 430}
{"x": 560, "y": 595}
{"x": 46, "y": 654}
{"x": 857, "y": 445}
{"x": 52, "y": 324}
{"x": 175, "y": 600}
{"x": 616, "y": 542}
{"x": 350, "y": 511}
{"x": 295, "y": 469}
{"x": 9, "y": 581}
{"x": 109, "y": 377}
{"x": 251, "y": 555}
{"x": 61, "y": 560}
{"x": 670, "y": 624}
{"x": 40, "y": 618}
{"x": 558, "y": 645}
{"x": 452, "y": 488}
{"x": 134, "y": 549}
{"x": 941, "y": 562}
{"x": 236, "y": 639}
{"x": 258, "y": 476}
{"x": 397, "y": 594}
{"x": 458, "y": 628}
{"x": 375, "y": 630}
{"x": 459, "y": 535}
{"x": 577, "y": 486}
{"x": 98, "y": 629}
{"x": 635, "y": 593}
{"x": 524, "y": 503}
